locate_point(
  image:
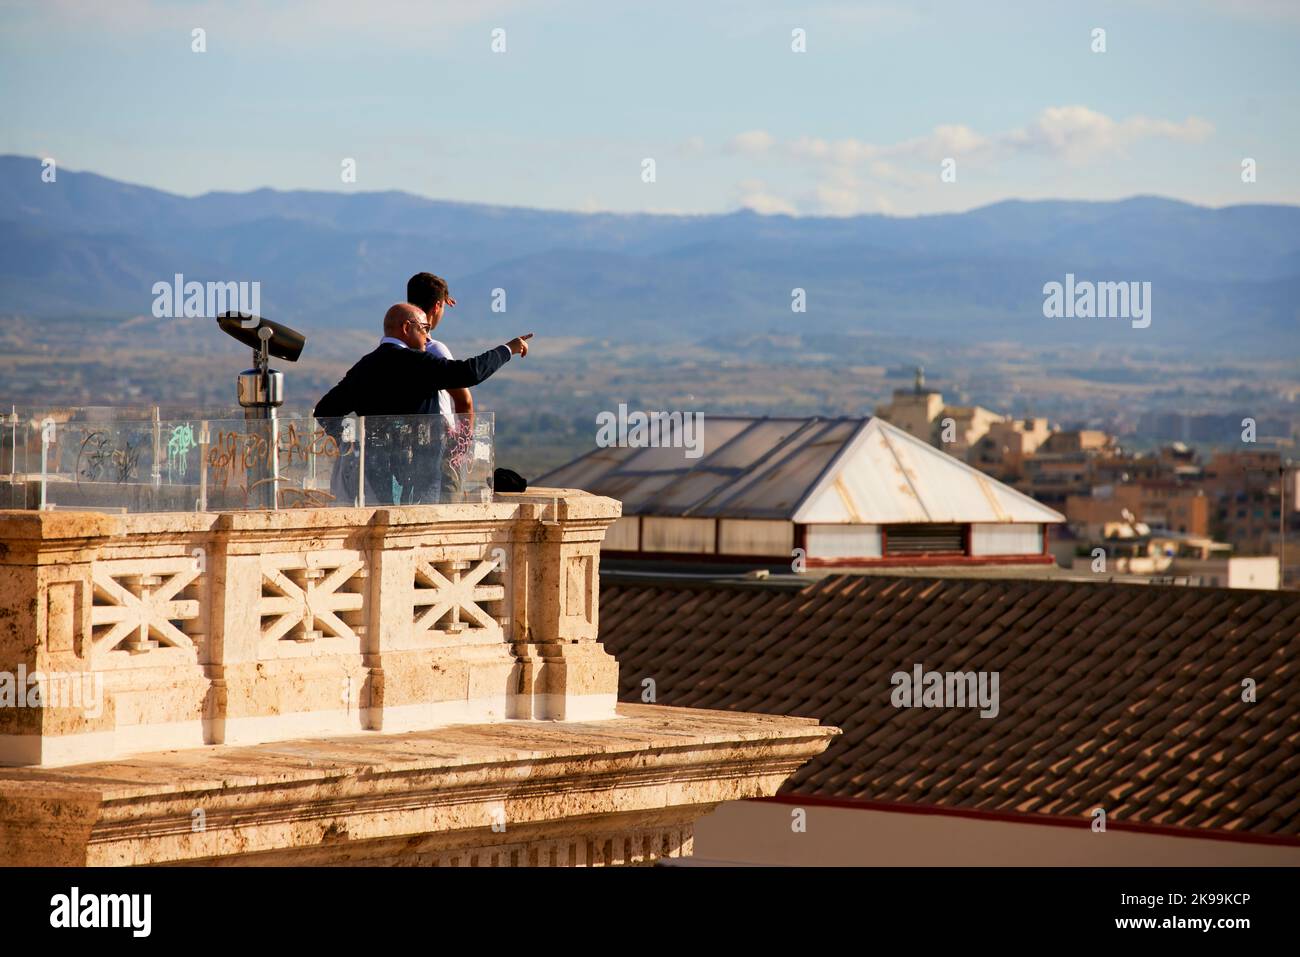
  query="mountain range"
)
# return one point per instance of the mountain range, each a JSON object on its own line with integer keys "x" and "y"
{"x": 1224, "y": 280}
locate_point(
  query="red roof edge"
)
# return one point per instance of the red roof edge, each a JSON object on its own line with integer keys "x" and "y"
{"x": 1010, "y": 817}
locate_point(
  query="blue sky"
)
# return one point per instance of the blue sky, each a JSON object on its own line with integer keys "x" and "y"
{"x": 712, "y": 91}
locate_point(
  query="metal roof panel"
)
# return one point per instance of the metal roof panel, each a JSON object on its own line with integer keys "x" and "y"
{"x": 810, "y": 470}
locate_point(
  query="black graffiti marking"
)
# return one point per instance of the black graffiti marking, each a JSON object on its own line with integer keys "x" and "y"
{"x": 98, "y": 458}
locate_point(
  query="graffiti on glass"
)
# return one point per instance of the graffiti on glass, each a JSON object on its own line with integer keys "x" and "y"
{"x": 100, "y": 459}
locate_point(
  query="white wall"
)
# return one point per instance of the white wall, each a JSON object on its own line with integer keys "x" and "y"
{"x": 693, "y": 535}
{"x": 1263, "y": 571}
{"x": 759, "y": 832}
{"x": 755, "y": 537}
{"x": 622, "y": 535}
{"x": 1010, "y": 539}
{"x": 843, "y": 541}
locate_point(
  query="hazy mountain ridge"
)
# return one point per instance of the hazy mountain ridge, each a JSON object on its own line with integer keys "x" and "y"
{"x": 1222, "y": 278}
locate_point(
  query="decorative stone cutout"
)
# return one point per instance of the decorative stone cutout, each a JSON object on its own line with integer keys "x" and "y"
{"x": 459, "y": 599}
{"x": 313, "y": 596}
{"x": 140, "y": 605}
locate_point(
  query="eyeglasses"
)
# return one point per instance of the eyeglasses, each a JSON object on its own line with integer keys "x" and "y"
{"x": 424, "y": 326}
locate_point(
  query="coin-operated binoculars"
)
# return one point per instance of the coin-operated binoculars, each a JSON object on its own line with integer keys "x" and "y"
{"x": 261, "y": 388}
{"x": 261, "y": 392}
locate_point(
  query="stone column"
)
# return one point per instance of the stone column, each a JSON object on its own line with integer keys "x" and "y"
{"x": 103, "y": 621}
{"x": 291, "y": 619}
{"x": 45, "y": 597}
{"x": 438, "y": 653}
{"x": 570, "y": 676}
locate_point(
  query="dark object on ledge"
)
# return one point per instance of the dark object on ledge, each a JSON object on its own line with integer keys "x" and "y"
{"x": 507, "y": 480}
{"x": 285, "y": 343}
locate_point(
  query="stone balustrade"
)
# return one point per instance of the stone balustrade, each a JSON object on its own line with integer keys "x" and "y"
{"x": 122, "y": 634}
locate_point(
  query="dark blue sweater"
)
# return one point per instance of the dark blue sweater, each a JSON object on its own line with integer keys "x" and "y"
{"x": 396, "y": 381}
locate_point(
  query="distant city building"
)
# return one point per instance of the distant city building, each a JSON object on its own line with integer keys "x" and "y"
{"x": 1132, "y": 549}
{"x": 921, "y": 412}
{"x": 1238, "y": 498}
{"x": 1077, "y": 440}
{"x": 1002, "y": 451}
{"x": 1246, "y": 487}
{"x": 1162, "y": 505}
{"x": 1048, "y": 465}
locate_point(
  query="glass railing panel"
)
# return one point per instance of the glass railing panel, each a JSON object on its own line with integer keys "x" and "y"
{"x": 126, "y": 463}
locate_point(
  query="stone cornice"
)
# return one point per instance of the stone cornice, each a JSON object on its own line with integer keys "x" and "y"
{"x": 650, "y": 764}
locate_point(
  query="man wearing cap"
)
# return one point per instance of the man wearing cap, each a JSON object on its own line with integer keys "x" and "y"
{"x": 456, "y": 406}
{"x": 430, "y": 293}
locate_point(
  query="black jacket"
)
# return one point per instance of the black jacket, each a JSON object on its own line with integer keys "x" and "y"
{"x": 396, "y": 381}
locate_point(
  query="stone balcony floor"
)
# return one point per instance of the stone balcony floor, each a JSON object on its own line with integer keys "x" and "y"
{"x": 621, "y": 790}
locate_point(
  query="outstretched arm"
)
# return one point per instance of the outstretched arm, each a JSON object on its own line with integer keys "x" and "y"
{"x": 464, "y": 373}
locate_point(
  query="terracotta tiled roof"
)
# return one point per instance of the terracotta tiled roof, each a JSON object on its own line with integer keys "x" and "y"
{"x": 1117, "y": 696}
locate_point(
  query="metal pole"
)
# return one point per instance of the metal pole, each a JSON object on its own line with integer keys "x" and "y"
{"x": 47, "y": 436}
{"x": 275, "y": 460}
{"x": 1281, "y": 529}
{"x": 157, "y": 448}
{"x": 361, "y": 461}
{"x": 204, "y": 439}
{"x": 13, "y": 448}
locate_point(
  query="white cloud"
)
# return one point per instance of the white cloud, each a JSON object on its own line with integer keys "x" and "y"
{"x": 950, "y": 141}
{"x": 755, "y": 195}
{"x": 852, "y": 176}
{"x": 752, "y": 141}
{"x": 837, "y": 193}
{"x": 836, "y": 200}
{"x": 846, "y": 151}
{"x": 885, "y": 172}
{"x": 1077, "y": 134}
{"x": 1073, "y": 133}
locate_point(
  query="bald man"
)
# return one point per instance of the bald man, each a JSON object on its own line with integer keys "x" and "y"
{"x": 394, "y": 381}
{"x": 399, "y": 376}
